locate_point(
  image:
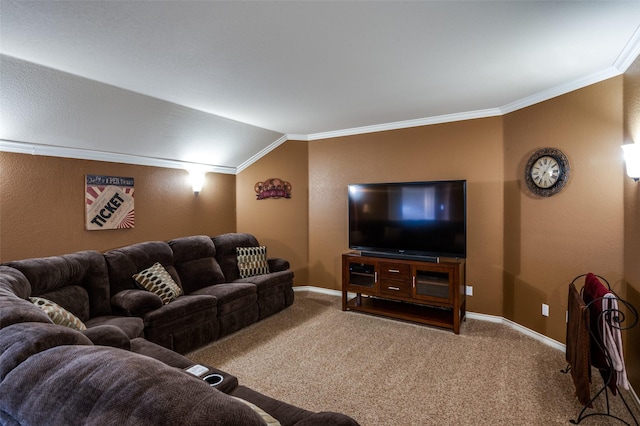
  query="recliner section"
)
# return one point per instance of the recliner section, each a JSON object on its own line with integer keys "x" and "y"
{"x": 98, "y": 288}
{"x": 274, "y": 290}
{"x": 201, "y": 275}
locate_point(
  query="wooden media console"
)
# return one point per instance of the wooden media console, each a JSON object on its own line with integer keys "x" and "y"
{"x": 431, "y": 293}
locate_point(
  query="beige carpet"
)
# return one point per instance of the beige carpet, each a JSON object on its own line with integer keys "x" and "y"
{"x": 388, "y": 372}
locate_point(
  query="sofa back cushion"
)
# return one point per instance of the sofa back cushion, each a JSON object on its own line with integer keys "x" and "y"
{"x": 18, "y": 342}
{"x": 195, "y": 261}
{"x": 78, "y": 281}
{"x": 124, "y": 262}
{"x": 96, "y": 385}
{"x": 14, "y": 304}
{"x": 226, "y": 252}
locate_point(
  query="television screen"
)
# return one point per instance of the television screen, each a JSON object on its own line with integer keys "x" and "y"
{"x": 409, "y": 218}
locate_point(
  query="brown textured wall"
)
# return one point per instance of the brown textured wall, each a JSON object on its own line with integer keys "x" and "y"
{"x": 522, "y": 251}
{"x": 470, "y": 150}
{"x": 549, "y": 241}
{"x": 632, "y": 221}
{"x": 42, "y": 206}
{"x": 280, "y": 224}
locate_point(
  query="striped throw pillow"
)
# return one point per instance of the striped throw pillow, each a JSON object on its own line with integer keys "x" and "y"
{"x": 58, "y": 314}
{"x": 252, "y": 261}
{"x": 157, "y": 280}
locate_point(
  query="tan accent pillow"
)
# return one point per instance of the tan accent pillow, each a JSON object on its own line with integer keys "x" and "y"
{"x": 58, "y": 314}
{"x": 157, "y": 280}
{"x": 270, "y": 420}
{"x": 252, "y": 261}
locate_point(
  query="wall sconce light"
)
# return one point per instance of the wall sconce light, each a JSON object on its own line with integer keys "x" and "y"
{"x": 632, "y": 159}
{"x": 197, "y": 180}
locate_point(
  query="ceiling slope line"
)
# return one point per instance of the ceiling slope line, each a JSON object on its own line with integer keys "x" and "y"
{"x": 87, "y": 154}
{"x": 629, "y": 54}
{"x": 262, "y": 153}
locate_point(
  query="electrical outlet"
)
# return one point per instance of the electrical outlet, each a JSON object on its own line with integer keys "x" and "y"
{"x": 469, "y": 290}
{"x": 545, "y": 310}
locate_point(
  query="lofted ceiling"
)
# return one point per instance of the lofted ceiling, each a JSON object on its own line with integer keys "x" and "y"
{"x": 314, "y": 69}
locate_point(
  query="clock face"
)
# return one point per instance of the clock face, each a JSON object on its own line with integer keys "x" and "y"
{"x": 546, "y": 172}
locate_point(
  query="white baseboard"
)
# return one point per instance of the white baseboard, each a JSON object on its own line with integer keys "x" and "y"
{"x": 524, "y": 330}
{"x": 318, "y": 290}
{"x": 471, "y": 315}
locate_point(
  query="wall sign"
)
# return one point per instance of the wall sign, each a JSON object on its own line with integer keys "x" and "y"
{"x": 109, "y": 202}
{"x": 273, "y": 188}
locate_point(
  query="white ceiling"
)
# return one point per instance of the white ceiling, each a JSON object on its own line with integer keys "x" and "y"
{"x": 314, "y": 68}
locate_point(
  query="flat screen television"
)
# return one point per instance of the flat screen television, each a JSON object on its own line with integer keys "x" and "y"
{"x": 409, "y": 219}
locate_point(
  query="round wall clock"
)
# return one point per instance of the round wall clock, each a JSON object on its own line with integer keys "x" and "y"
{"x": 547, "y": 172}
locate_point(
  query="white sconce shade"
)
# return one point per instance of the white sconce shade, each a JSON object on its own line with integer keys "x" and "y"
{"x": 197, "y": 180}
{"x": 632, "y": 159}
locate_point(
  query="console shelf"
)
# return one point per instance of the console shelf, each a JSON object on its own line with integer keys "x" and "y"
{"x": 424, "y": 292}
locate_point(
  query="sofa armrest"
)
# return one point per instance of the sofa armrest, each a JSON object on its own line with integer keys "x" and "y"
{"x": 108, "y": 335}
{"x": 135, "y": 303}
{"x": 277, "y": 264}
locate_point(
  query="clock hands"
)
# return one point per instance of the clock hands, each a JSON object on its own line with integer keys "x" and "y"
{"x": 546, "y": 172}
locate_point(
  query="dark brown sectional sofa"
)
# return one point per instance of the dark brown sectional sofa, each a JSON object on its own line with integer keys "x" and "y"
{"x": 127, "y": 366}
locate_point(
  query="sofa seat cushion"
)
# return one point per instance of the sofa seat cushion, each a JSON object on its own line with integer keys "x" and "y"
{"x": 108, "y": 335}
{"x": 188, "y": 322}
{"x": 145, "y": 347}
{"x": 131, "y": 326}
{"x": 230, "y": 322}
{"x": 231, "y": 296}
{"x": 189, "y": 336}
{"x": 264, "y": 283}
{"x": 184, "y": 309}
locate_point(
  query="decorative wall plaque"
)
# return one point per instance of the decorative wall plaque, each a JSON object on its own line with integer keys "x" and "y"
{"x": 273, "y": 188}
{"x": 109, "y": 202}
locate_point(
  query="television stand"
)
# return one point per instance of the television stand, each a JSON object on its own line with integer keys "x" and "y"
{"x": 411, "y": 290}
